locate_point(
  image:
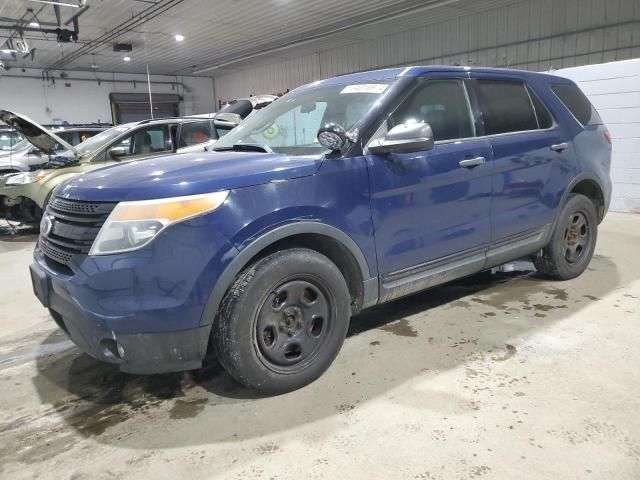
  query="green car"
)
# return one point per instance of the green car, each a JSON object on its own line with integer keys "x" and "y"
{"x": 24, "y": 195}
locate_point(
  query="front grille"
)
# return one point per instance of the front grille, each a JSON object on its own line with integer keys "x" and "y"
{"x": 75, "y": 225}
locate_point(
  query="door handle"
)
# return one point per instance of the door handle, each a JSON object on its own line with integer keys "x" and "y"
{"x": 559, "y": 147}
{"x": 471, "y": 162}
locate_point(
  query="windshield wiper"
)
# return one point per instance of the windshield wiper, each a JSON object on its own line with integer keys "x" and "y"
{"x": 245, "y": 147}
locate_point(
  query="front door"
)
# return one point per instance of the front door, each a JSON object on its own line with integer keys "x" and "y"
{"x": 431, "y": 209}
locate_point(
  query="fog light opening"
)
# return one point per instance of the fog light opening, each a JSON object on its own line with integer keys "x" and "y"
{"x": 112, "y": 350}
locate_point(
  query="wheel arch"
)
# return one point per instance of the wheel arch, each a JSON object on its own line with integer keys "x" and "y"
{"x": 323, "y": 238}
{"x": 589, "y": 186}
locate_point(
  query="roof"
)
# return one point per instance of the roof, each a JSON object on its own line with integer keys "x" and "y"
{"x": 417, "y": 70}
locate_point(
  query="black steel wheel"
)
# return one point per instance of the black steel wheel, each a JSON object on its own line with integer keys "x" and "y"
{"x": 576, "y": 237}
{"x": 283, "y": 321}
{"x": 572, "y": 242}
{"x": 293, "y": 323}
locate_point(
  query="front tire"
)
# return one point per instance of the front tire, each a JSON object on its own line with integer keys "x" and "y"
{"x": 283, "y": 321}
{"x": 573, "y": 241}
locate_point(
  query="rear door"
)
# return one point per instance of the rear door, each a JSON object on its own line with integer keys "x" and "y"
{"x": 533, "y": 156}
{"x": 431, "y": 209}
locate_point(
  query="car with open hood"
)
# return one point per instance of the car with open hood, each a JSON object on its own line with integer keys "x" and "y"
{"x": 23, "y": 195}
{"x": 24, "y": 156}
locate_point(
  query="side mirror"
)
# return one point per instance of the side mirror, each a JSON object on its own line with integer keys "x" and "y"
{"x": 116, "y": 152}
{"x": 333, "y": 136}
{"x": 404, "y": 138}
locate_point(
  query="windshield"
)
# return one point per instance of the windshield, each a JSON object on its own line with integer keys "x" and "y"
{"x": 291, "y": 124}
{"x": 101, "y": 139}
{"x": 21, "y": 145}
{"x": 9, "y": 140}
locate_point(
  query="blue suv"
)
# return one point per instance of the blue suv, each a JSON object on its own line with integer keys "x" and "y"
{"x": 344, "y": 194}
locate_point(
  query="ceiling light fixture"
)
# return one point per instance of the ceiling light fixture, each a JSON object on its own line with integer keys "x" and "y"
{"x": 9, "y": 50}
{"x": 50, "y": 2}
{"x": 34, "y": 24}
{"x": 179, "y": 37}
{"x": 127, "y": 59}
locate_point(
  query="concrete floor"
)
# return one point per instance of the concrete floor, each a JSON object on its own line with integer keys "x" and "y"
{"x": 498, "y": 376}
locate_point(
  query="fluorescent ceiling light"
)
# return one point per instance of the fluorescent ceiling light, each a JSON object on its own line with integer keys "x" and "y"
{"x": 8, "y": 50}
{"x": 127, "y": 59}
{"x": 34, "y": 24}
{"x": 50, "y": 2}
{"x": 179, "y": 37}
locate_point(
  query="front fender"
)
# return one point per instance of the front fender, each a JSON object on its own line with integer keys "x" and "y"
{"x": 250, "y": 250}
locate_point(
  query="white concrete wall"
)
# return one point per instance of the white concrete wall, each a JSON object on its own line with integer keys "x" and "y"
{"x": 614, "y": 89}
{"x": 88, "y": 101}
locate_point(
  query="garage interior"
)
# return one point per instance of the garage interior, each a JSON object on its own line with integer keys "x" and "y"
{"x": 504, "y": 374}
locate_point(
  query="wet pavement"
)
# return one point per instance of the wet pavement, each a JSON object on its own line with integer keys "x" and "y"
{"x": 502, "y": 375}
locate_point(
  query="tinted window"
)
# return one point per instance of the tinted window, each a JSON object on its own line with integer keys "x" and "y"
{"x": 442, "y": 104}
{"x": 577, "y": 103}
{"x": 146, "y": 141}
{"x": 545, "y": 120}
{"x": 194, "y": 133}
{"x": 505, "y": 107}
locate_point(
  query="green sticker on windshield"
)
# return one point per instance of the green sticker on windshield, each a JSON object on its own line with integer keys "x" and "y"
{"x": 271, "y": 132}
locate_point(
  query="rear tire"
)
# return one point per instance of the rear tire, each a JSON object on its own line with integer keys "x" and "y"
{"x": 573, "y": 241}
{"x": 283, "y": 321}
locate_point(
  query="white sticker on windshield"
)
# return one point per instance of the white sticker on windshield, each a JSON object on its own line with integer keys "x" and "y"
{"x": 365, "y": 88}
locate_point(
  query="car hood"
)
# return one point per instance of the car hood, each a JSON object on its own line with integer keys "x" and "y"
{"x": 186, "y": 174}
{"x": 39, "y": 136}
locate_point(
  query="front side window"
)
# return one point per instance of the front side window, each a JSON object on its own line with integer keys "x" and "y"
{"x": 291, "y": 124}
{"x": 145, "y": 141}
{"x": 443, "y": 104}
{"x": 506, "y": 107}
{"x": 194, "y": 133}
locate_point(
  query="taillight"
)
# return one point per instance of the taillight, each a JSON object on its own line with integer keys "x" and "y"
{"x": 607, "y": 136}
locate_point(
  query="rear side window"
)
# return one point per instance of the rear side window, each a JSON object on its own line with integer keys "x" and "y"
{"x": 506, "y": 107}
{"x": 577, "y": 103}
{"x": 195, "y": 133}
{"x": 442, "y": 104}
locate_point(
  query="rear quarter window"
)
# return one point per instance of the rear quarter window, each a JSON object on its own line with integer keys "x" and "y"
{"x": 577, "y": 103}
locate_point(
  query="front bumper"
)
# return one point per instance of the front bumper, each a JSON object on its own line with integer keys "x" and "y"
{"x": 139, "y": 353}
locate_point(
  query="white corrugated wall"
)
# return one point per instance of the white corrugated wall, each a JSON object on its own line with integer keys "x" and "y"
{"x": 614, "y": 89}
{"x": 535, "y": 34}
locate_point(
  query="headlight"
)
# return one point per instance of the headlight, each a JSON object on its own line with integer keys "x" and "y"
{"x": 132, "y": 225}
{"x": 26, "y": 178}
